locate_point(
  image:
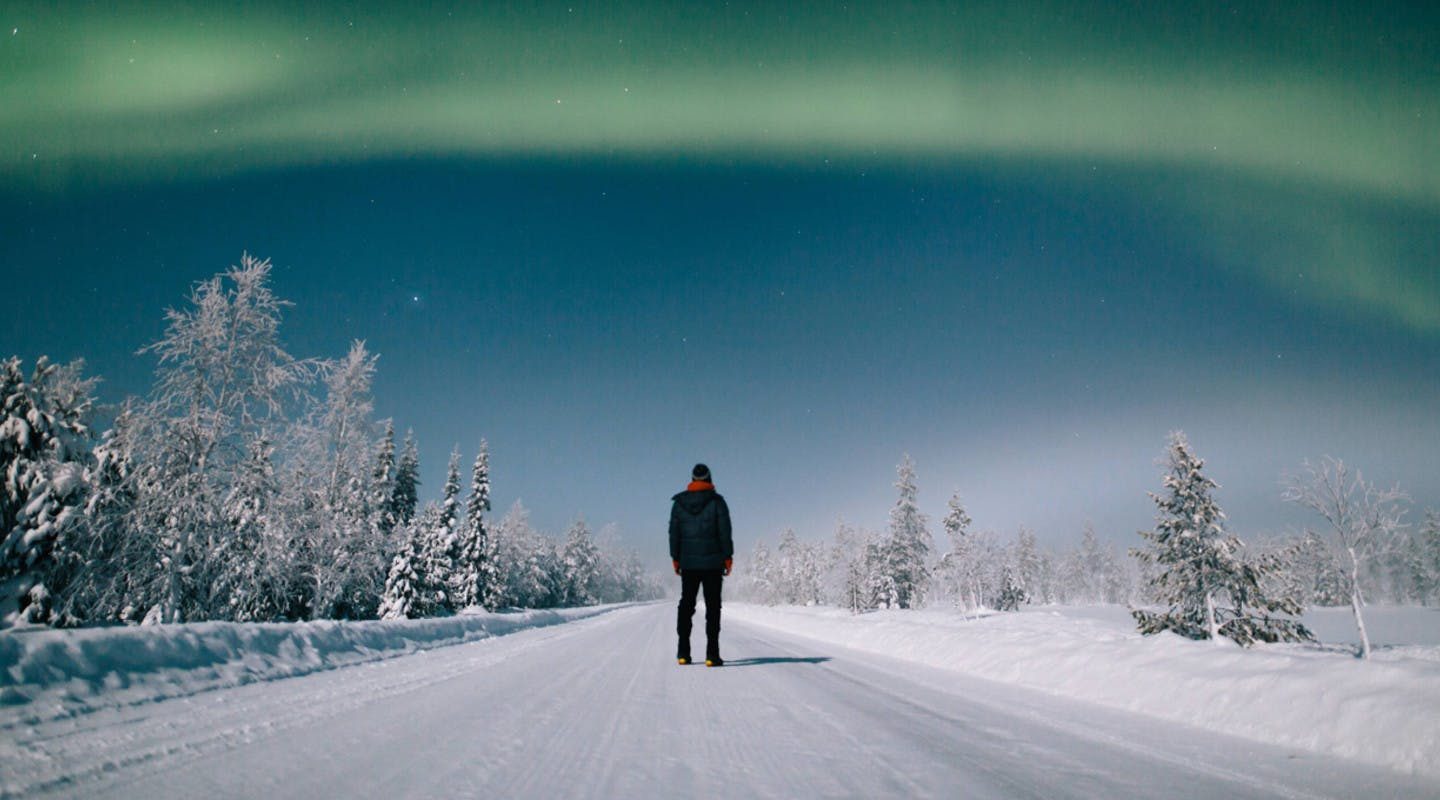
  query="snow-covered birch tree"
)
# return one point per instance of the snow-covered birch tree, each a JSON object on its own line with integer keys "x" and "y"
{"x": 1364, "y": 521}
{"x": 222, "y": 383}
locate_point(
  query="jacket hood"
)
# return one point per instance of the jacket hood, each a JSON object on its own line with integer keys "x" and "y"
{"x": 695, "y": 502}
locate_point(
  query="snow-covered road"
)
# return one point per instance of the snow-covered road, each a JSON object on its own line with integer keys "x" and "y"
{"x": 598, "y": 708}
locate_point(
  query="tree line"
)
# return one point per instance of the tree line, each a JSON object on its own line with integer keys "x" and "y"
{"x": 251, "y": 485}
{"x": 1190, "y": 575}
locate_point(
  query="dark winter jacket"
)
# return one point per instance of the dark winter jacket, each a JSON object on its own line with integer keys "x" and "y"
{"x": 700, "y": 530}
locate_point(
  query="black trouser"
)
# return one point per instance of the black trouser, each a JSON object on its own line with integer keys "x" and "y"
{"x": 690, "y": 582}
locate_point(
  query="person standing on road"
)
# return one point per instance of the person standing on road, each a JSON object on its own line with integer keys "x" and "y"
{"x": 702, "y": 553}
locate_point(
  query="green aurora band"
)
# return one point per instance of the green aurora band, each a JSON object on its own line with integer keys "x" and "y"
{"x": 1298, "y": 144}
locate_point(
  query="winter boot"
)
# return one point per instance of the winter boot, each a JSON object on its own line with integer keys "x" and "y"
{"x": 715, "y": 661}
{"x": 682, "y": 660}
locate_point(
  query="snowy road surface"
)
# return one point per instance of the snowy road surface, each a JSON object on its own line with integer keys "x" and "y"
{"x": 598, "y": 708}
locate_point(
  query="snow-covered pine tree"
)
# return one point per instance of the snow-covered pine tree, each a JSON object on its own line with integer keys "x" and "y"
{"x": 1363, "y": 519}
{"x": 1011, "y": 593}
{"x": 44, "y": 450}
{"x": 1029, "y": 566}
{"x": 257, "y": 575}
{"x": 1318, "y": 576}
{"x": 1089, "y": 567}
{"x": 1429, "y": 542}
{"x": 440, "y": 539}
{"x": 840, "y": 559}
{"x": 1200, "y": 565}
{"x": 501, "y": 558}
{"x": 113, "y": 561}
{"x": 471, "y": 571}
{"x": 860, "y": 592}
{"x": 580, "y": 567}
{"x": 404, "y": 596}
{"x": 406, "y": 497}
{"x": 382, "y": 483}
{"x": 881, "y": 590}
{"x": 957, "y": 567}
{"x": 1049, "y": 589}
{"x": 1189, "y": 543}
{"x": 908, "y": 549}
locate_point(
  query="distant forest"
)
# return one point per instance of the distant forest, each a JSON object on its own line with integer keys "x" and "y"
{"x": 1207, "y": 580}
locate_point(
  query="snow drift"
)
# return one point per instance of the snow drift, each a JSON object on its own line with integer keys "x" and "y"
{"x": 1383, "y": 711}
{"x": 51, "y": 673}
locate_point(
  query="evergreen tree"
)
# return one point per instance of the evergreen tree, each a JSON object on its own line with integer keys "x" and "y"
{"x": 835, "y": 563}
{"x": 440, "y": 539}
{"x": 251, "y": 583}
{"x": 1093, "y": 573}
{"x": 580, "y": 567}
{"x": 404, "y": 596}
{"x": 500, "y": 559}
{"x": 858, "y": 592}
{"x": 1429, "y": 543}
{"x": 908, "y": 549}
{"x": 112, "y": 559}
{"x": 406, "y": 497}
{"x": 382, "y": 483}
{"x": 44, "y": 437}
{"x": 881, "y": 588}
{"x": 958, "y": 566}
{"x": 471, "y": 569}
{"x": 1011, "y": 593}
{"x": 1200, "y": 566}
{"x": 1029, "y": 567}
{"x": 1319, "y": 579}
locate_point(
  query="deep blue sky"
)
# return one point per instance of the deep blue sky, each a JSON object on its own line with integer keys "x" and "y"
{"x": 1027, "y": 321}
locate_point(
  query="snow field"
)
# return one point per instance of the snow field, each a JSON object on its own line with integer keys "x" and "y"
{"x": 1385, "y": 711}
{"x": 47, "y": 673}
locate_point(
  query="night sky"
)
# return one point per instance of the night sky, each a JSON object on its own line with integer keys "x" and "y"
{"x": 1020, "y": 242}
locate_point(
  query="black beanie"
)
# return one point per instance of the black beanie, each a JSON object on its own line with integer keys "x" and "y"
{"x": 700, "y": 473}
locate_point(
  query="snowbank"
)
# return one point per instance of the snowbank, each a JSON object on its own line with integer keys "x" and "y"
{"x": 47, "y": 673}
{"x": 1385, "y": 711}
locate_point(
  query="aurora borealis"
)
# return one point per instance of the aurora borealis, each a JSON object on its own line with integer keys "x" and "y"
{"x": 1279, "y": 157}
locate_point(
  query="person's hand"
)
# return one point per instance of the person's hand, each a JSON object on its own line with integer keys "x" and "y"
{"x": 729, "y": 562}
{"x": 676, "y": 564}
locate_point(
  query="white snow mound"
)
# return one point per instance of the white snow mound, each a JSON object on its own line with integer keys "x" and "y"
{"x": 1385, "y": 711}
{"x": 47, "y": 673}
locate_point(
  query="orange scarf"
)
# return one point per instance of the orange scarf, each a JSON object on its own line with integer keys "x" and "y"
{"x": 700, "y": 486}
